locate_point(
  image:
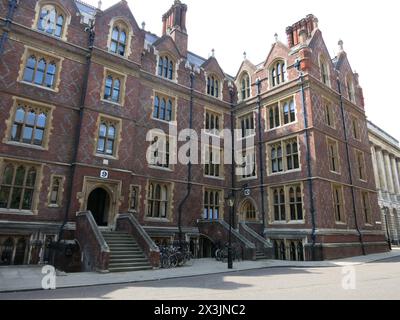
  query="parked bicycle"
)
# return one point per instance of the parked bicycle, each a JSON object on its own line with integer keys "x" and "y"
{"x": 221, "y": 253}
{"x": 173, "y": 256}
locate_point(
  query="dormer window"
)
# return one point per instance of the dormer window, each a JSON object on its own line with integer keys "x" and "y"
{"x": 350, "y": 88}
{"x": 245, "y": 87}
{"x": 213, "y": 86}
{"x": 51, "y": 20}
{"x": 119, "y": 39}
{"x": 278, "y": 73}
{"x": 325, "y": 77}
{"x": 166, "y": 67}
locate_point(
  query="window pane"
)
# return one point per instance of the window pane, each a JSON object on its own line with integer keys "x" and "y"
{"x": 41, "y": 120}
{"x": 113, "y": 46}
{"x": 122, "y": 37}
{"x": 103, "y": 130}
{"x": 16, "y": 198}
{"x": 27, "y": 201}
{"x": 27, "y": 136}
{"x": 8, "y": 175}
{"x": 4, "y": 194}
{"x": 20, "y": 176}
{"x": 39, "y": 76}
{"x": 101, "y": 145}
{"x": 31, "y": 178}
{"x": 38, "y": 137}
{"x": 30, "y": 119}
{"x": 111, "y": 132}
{"x": 115, "y": 34}
{"x": 29, "y": 69}
{"x": 110, "y": 147}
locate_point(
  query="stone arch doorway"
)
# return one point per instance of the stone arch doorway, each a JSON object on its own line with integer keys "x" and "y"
{"x": 207, "y": 247}
{"x": 99, "y": 204}
{"x": 248, "y": 211}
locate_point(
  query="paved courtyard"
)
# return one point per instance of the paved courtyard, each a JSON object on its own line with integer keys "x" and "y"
{"x": 373, "y": 280}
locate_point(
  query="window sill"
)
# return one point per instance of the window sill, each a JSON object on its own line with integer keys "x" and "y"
{"x": 103, "y": 156}
{"x": 40, "y": 87}
{"x": 112, "y": 102}
{"x": 214, "y": 178}
{"x": 340, "y": 223}
{"x": 172, "y": 122}
{"x": 150, "y": 219}
{"x": 248, "y": 179}
{"x": 247, "y": 137}
{"x": 220, "y": 135}
{"x": 168, "y": 79}
{"x": 283, "y": 172}
{"x": 161, "y": 168}
{"x": 51, "y": 35}
{"x": 335, "y": 172}
{"x": 25, "y": 145}
{"x": 53, "y": 206}
{"x": 17, "y": 212}
{"x": 281, "y": 127}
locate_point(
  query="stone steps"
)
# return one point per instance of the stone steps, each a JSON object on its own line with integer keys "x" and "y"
{"x": 125, "y": 254}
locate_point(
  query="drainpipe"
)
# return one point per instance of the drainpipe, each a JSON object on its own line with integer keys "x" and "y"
{"x": 12, "y": 6}
{"x": 189, "y": 183}
{"x": 349, "y": 167}
{"x": 261, "y": 157}
{"x": 91, "y": 32}
{"x": 232, "y": 93}
{"x": 308, "y": 159}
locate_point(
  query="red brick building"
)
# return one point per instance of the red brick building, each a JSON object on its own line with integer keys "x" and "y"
{"x": 81, "y": 88}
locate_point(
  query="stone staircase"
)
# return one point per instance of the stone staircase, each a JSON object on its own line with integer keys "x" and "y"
{"x": 125, "y": 253}
{"x": 261, "y": 255}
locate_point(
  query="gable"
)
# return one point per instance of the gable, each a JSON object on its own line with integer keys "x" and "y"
{"x": 212, "y": 66}
{"x": 278, "y": 50}
{"x": 167, "y": 44}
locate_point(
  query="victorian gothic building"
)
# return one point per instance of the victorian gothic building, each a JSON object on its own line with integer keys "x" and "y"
{"x": 80, "y": 89}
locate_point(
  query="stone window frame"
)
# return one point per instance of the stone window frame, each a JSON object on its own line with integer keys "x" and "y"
{"x": 355, "y": 128}
{"x": 361, "y": 167}
{"x": 243, "y": 210}
{"x": 252, "y": 177}
{"x": 329, "y": 114}
{"x": 350, "y": 88}
{"x": 171, "y": 142}
{"x": 165, "y": 54}
{"x": 323, "y": 61}
{"x": 216, "y": 113}
{"x": 28, "y": 52}
{"x": 221, "y": 170}
{"x": 38, "y": 186}
{"x": 279, "y": 106}
{"x": 272, "y": 66}
{"x": 329, "y": 142}
{"x": 245, "y": 91}
{"x": 286, "y": 203}
{"x": 117, "y": 122}
{"x": 282, "y": 143}
{"x": 122, "y": 77}
{"x": 341, "y": 204}
{"x": 246, "y": 116}
{"x": 221, "y": 203}
{"x": 34, "y": 105}
{"x": 170, "y": 208}
{"x": 366, "y": 207}
{"x": 60, "y": 7}
{"x": 138, "y": 198}
{"x": 214, "y": 91}
{"x": 166, "y": 96}
{"x": 121, "y": 21}
{"x": 60, "y": 191}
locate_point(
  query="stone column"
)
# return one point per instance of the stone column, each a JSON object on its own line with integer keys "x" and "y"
{"x": 381, "y": 169}
{"x": 375, "y": 166}
{"x": 389, "y": 174}
{"x": 395, "y": 172}
{"x": 398, "y": 168}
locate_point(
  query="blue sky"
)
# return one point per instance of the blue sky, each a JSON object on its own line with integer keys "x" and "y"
{"x": 368, "y": 29}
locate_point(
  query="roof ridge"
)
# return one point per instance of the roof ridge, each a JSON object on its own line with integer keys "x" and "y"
{"x": 86, "y": 4}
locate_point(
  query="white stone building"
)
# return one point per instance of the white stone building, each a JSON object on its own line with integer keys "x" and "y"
{"x": 386, "y": 162}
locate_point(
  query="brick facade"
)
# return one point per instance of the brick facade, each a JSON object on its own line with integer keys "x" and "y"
{"x": 79, "y": 105}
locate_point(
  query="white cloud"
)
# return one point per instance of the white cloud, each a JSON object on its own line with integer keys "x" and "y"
{"x": 368, "y": 29}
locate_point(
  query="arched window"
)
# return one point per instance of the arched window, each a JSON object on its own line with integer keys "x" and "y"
{"x": 213, "y": 86}
{"x": 17, "y": 187}
{"x": 248, "y": 211}
{"x": 292, "y": 155}
{"x": 166, "y": 67}
{"x": 112, "y": 89}
{"x": 278, "y": 73}
{"x": 158, "y": 200}
{"x": 211, "y": 205}
{"x": 40, "y": 71}
{"x": 276, "y": 158}
{"x": 51, "y": 20}
{"x": 163, "y": 108}
{"x": 295, "y": 203}
{"x": 245, "y": 86}
{"x": 325, "y": 74}
{"x": 119, "y": 39}
{"x": 29, "y": 125}
{"x": 106, "y": 139}
{"x": 279, "y": 204}
{"x": 350, "y": 88}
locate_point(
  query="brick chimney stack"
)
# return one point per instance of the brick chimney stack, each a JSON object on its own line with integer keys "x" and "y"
{"x": 304, "y": 27}
{"x": 174, "y": 24}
